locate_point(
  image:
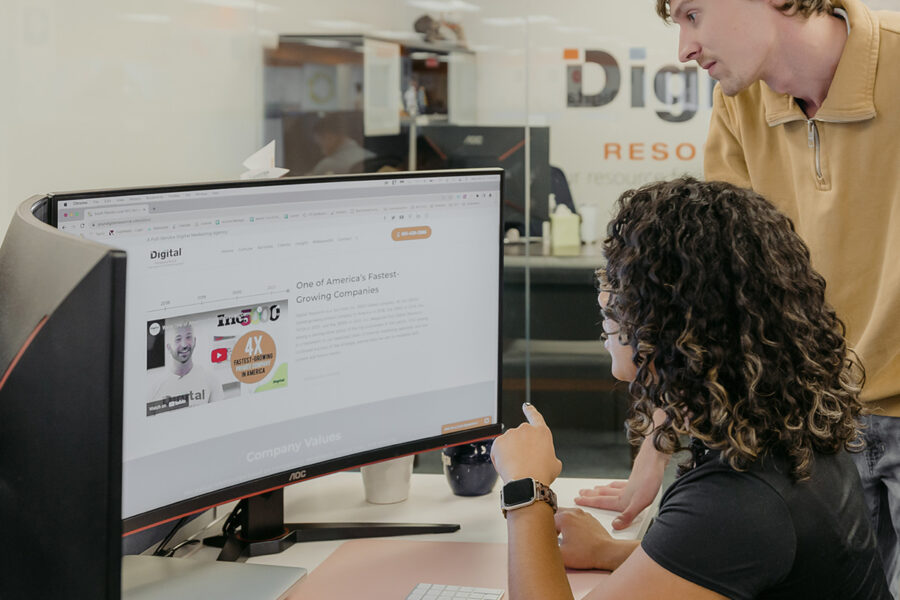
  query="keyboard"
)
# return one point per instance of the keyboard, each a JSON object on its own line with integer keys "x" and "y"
{"x": 434, "y": 591}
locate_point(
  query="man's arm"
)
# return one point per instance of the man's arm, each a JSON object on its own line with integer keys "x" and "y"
{"x": 723, "y": 157}
{"x": 630, "y": 497}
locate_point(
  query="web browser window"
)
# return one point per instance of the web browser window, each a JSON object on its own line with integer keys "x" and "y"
{"x": 276, "y": 326}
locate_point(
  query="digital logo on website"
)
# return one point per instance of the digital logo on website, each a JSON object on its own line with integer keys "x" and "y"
{"x": 164, "y": 255}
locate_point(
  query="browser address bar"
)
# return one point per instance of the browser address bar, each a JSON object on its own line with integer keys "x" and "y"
{"x": 136, "y": 210}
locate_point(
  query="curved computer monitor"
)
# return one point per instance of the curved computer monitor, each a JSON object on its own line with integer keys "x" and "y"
{"x": 62, "y": 303}
{"x": 280, "y": 330}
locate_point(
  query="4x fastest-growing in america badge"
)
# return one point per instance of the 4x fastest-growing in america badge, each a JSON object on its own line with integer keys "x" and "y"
{"x": 253, "y": 356}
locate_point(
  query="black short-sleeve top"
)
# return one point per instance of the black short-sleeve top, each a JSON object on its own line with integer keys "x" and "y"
{"x": 760, "y": 534}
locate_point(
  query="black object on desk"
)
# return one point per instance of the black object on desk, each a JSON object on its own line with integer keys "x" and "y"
{"x": 256, "y": 527}
{"x": 469, "y": 469}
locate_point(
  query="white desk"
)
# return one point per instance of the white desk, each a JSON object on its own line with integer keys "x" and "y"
{"x": 340, "y": 497}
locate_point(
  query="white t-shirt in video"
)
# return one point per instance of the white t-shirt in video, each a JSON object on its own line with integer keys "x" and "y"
{"x": 200, "y": 386}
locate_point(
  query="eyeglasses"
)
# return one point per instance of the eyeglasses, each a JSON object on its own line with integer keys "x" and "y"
{"x": 604, "y": 334}
{"x": 601, "y": 284}
{"x": 607, "y": 315}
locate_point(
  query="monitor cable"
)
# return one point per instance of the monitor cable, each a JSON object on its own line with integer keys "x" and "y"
{"x": 232, "y": 522}
{"x": 161, "y": 549}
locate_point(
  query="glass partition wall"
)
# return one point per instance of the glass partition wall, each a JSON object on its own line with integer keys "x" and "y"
{"x": 578, "y": 101}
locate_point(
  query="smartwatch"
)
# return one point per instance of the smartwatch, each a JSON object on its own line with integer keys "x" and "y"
{"x": 525, "y": 492}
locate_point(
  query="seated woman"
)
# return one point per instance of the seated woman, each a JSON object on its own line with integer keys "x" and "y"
{"x": 712, "y": 311}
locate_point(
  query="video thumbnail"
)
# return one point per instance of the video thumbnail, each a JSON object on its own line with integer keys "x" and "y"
{"x": 199, "y": 358}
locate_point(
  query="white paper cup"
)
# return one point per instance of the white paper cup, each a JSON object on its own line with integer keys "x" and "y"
{"x": 589, "y": 232}
{"x": 387, "y": 482}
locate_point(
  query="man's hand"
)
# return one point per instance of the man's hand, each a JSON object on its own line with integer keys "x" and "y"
{"x": 630, "y": 497}
{"x": 527, "y": 450}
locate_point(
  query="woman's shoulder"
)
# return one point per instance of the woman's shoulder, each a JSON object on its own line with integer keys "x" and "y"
{"x": 712, "y": 475}
{"x": 767, "y": 480}
{"x": 713, "y": 518}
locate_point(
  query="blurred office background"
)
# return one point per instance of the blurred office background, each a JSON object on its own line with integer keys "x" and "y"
{"x": 579, "y": 100}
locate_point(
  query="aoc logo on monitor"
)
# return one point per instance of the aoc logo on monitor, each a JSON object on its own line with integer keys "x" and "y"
{"x": 163, "y": 255}
{"x": 297, "y": 475}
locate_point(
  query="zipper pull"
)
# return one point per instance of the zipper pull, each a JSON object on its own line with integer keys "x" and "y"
{"x": 810, "y": 133}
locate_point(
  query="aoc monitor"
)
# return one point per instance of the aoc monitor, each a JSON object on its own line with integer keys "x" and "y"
{"x": 279, "y": 330}
{"x": 451, "y": 146}
{"x": 62, "y": 307}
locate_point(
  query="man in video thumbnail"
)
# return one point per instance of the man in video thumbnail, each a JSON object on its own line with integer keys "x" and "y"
{"x": 188, "y": 384}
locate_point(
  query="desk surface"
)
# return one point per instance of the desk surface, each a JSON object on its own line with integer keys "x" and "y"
{"x": 340, "y": 497}
{"x": 538, "y": 256}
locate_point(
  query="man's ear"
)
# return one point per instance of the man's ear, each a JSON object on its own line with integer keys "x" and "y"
{"x": 779, "y": 6}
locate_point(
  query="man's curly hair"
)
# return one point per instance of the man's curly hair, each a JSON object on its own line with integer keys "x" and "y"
{"x": 730, "y": 331}
{"x": 806, "y": 8}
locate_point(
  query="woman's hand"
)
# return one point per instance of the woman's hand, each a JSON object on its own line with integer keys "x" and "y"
{"x": 585, "y": 544}
{"x": 581, "y": 538}
{"x": 527, "y": 450}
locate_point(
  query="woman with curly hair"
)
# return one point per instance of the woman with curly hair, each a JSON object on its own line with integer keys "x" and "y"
{"x": 714, "y": 314}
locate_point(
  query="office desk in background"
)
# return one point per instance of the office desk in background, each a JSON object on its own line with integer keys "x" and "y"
{"x": 561, "y": 286}
{"x": 559, "y": 358}
{"x": 475, "y": 555}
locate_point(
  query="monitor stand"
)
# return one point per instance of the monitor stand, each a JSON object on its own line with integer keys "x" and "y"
{"x": 256, "y": 527}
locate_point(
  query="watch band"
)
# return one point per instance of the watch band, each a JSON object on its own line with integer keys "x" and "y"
{"x": 543, "y": 493}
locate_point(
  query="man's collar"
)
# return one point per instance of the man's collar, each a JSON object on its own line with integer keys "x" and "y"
{"x": 840, "y": 12}
{"x": 851, "y": 94}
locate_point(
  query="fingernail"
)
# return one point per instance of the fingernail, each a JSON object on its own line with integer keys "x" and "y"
{"x": 526, "y": 405}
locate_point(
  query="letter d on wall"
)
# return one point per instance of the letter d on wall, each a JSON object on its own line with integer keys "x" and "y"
{"x": 575, "y": 94}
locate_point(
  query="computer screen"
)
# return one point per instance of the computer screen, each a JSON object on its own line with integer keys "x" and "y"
{"x": 279, "y": 330}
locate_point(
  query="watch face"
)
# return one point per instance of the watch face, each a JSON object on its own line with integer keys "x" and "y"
{"x": 520, "y": 491}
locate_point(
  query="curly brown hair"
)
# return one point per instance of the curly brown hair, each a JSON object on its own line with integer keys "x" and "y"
{"x": 805, "y": 8}
{"x": 730, "y": 331}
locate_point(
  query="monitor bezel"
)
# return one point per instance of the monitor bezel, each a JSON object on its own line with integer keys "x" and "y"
{"x": 301, "y": 473}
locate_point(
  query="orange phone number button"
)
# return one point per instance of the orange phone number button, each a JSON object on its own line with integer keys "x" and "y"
{"x": 411, "y": 233}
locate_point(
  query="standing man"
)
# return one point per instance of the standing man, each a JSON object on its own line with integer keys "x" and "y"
{"x": 806, "y": 113}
